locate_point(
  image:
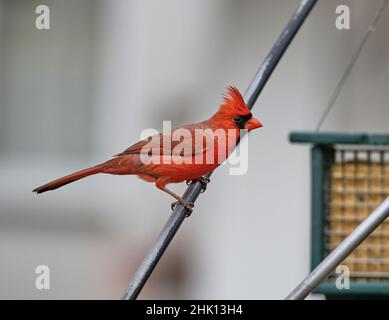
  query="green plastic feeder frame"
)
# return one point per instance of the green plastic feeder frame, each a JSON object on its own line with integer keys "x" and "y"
{"x": 350, "y": 177}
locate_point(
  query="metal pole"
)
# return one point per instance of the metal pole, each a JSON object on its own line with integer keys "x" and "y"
{"x": 347, "y": 246}
{"x": 194, "y": 189}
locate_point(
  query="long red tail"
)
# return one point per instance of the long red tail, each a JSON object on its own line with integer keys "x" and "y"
{"x": 70, "y": 178}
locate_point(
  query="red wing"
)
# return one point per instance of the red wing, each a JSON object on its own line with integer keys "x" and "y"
{"x": 157, "y": 141}
{"x": 134, "y": 149}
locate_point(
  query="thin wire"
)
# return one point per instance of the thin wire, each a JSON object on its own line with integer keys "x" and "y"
{"x": 350, "y": 66}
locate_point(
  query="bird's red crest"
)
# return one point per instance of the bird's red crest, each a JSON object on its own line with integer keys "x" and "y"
{"x": 233, "y": 102}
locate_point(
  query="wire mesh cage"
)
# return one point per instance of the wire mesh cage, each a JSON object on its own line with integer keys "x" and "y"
{"x": 350, "y": 178}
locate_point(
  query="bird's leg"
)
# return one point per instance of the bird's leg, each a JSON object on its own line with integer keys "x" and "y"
{"x": 203, "y": 180}
{"x": 188, "y": 205}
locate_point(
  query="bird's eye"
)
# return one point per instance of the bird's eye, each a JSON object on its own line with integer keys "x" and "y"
{"x": 238, "y": 119}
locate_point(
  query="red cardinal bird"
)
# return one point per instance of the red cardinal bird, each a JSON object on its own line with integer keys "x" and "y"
{"x": 165, "y": 159}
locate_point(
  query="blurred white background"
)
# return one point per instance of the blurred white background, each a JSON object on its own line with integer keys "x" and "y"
{"x": 74, "y": 95}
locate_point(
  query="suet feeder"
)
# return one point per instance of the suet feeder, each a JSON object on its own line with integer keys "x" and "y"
{"x": 350, "y": 178}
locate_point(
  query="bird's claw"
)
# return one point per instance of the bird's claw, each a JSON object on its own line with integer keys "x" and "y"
{"x": 188, "y": 205}
{"x": 203, "y": 180}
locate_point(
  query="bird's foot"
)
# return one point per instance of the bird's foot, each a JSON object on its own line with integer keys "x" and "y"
{"x": 188, "y": 205}
{"x": 203, "y": 180}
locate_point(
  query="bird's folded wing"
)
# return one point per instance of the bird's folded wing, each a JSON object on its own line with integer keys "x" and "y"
{"x": 181, "y": 142}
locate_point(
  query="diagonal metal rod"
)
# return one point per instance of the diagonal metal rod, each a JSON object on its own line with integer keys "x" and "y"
{"x": 347, "y": 246}
{"x": 194, "y": 189}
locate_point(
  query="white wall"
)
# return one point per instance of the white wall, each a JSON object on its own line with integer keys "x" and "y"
{"x": 154, "y": 61}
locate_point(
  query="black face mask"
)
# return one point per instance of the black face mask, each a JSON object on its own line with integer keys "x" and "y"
{"x": 240, "y": 121}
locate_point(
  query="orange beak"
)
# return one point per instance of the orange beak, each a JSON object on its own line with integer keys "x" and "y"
{"x": 253, "y": 124}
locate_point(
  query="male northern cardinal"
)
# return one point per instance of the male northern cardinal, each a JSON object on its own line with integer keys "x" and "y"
{"x": 177, "y": 160}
